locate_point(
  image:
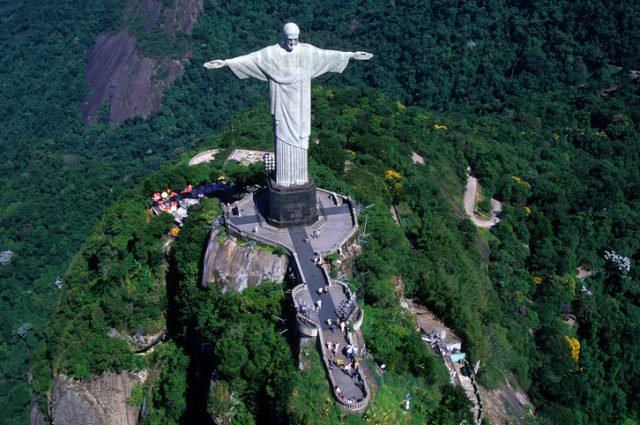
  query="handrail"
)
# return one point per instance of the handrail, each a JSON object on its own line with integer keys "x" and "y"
{"x": 311, "y": 318}
{"x": 354, "y": 219}
{"x": 359, "y": 405}
{"x": 241, "y": 233}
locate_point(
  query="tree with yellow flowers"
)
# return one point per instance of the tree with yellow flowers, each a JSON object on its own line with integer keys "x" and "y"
{"x": 394, "y": 183}
{"x": 574, "y": 344}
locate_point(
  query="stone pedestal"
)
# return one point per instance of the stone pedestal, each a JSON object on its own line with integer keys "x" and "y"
{"x": 290, "y": 206}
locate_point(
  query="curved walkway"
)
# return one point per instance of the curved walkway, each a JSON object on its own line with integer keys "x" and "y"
{"x": 315, "y": 280}
{"x": 469, "y": 200}
{"x": 337, "y": 225}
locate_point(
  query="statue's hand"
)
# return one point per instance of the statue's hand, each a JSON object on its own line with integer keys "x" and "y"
{"x": 218, "y": 63}
{"x": 362, "y": 56}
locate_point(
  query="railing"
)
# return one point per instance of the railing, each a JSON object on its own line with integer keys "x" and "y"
{"x": 236, "y": 231}
{"x": 358, "y": 319}
{"x": 354, "y": 219}
{"x": 356, "y": 316}
{"x": 358, "y": 405}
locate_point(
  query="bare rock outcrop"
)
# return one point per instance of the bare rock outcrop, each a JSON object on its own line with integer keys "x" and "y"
{"x": 121, "y": 76}
{"x": 345, "y": 263}
{"x": 233, "y": 267}
{"x": 35, "y": 416}
{"x": 139, "y": 342}
{"x": 179, "y": 17}
{"x": 99, "y": 401}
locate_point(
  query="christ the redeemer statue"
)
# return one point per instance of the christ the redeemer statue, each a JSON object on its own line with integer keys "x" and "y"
{"x": 289, "y": 67}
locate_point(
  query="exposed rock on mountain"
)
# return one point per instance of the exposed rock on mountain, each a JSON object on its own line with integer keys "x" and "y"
{"x": 345, "y": 263}
{"x": 121, "y": 76}
{"x": 139, "y": 342}
{"x": 232, "y": 267}
{"x": 35, "y": 416}
{"x": 99, "y": 401}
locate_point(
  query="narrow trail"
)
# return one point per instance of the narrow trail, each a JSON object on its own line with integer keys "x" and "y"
{"x": 469, "y": 200}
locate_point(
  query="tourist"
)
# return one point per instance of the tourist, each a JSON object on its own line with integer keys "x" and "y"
{"x": 342, "y": 326}
{"x": 352, "y": 372}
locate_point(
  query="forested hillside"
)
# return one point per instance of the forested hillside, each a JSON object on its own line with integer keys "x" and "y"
{"x": 532, "y": 103}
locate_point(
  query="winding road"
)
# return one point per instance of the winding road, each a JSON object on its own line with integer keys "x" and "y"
{"x": 469, "y": 200}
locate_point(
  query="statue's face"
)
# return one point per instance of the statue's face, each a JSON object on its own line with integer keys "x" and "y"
{"x": 290, "y": 42}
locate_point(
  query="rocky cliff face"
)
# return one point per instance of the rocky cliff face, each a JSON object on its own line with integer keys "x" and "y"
{"x": 35, "y": 416}
{"x": 232, "y": 267}
{"x": 121, "y": 76}
{"x": 99, "y": 401}
{"x": 345, "y": 264}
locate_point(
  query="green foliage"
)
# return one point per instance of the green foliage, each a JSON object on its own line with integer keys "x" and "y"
{"x": 167, "y": 403}
{"x": 391, "y": 337}
{"x": 279, "y": 250}
{"x": 137, "y": 396}
{"x": 254, "y": 362}
{"x": 529, "y": 78}
{"x": 331, "y": 257}
{"x": 311, "y": 404}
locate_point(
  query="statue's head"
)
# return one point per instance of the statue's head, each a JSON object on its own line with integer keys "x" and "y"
{"x": 290, "y": 33}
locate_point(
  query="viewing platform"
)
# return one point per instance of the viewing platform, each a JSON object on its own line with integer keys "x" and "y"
{"x": 319, "y": 314}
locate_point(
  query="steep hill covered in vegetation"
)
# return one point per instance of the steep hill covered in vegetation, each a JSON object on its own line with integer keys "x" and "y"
{"x": 509, "y": 308}
{"x": 542, "y": 104}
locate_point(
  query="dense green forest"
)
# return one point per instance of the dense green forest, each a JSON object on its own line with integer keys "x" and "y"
{"x": 521, "y": 88}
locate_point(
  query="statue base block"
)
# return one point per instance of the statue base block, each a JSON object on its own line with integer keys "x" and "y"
{"x": 291, "y": 206}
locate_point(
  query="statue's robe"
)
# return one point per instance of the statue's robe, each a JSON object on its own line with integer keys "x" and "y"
{"x": 289, "y": 75}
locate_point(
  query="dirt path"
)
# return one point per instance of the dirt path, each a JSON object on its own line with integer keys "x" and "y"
{"x": 394, "y": 215}
{"x": 470, "y": 204}
{"x": 205, "y": 156}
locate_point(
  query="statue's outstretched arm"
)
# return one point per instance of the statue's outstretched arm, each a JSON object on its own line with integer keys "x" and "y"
{"x": 214, "y": 64}
{"x": 360, "y": 56}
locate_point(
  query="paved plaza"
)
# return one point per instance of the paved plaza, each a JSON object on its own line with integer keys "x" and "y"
{"x": 335, "y": 225}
